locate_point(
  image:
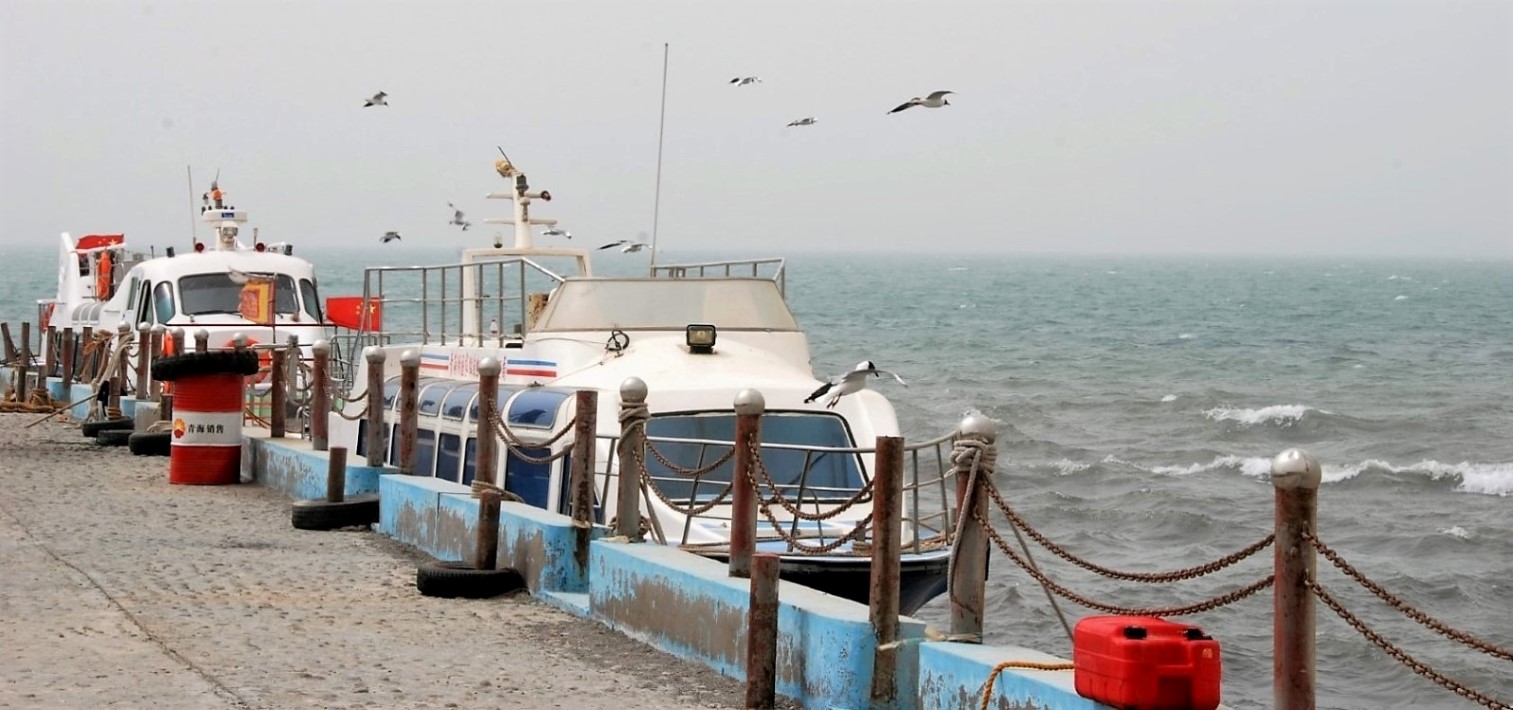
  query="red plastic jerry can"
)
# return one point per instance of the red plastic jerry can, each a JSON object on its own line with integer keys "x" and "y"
{"x": 1145, "y": 663}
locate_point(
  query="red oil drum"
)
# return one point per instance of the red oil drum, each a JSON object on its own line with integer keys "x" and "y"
{"x": 206, "y": 448}
{"x": 1145, "y": 663}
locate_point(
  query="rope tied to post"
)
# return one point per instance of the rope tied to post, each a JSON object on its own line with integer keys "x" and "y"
{"x": 480, "y": 489}
{"x": 987, "y": 688}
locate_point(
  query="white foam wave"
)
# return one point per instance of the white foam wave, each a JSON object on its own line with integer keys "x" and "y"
{"x": 1401, "y": 298}
{"x": 1186, "y": 336}
{"x": 1169, "y": 398}
{"x": 1493, "y": 479}
{"x": 1067, "y": 467}
{"x": 1285, "y": 414}
{"x": 1456, "y": 532}
{"x": 1248, "y": 465}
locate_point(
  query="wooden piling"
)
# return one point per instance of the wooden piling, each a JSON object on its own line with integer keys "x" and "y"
{"x": 277, "y": 411}
{"x": 887, "y": 511}
{"x": 26, "y": 363}
{"x": 375, "y": 439}
{"x": 585, "y": 423}
{"x": 487, "y": 553}
{"x": 488, "y": 405}
{"x": 201, "y": 340}
{"x": 10, "y": 345}
{"x": 320, "y": 396}
{"x": 762, "y": 632}
{"x": 49, "y": 351}
{"x": 409, "y": 410}
{"x": 336, "y": 475}
{"x": 67, "y": 374}
{"x": 154, "y": 350}
{"x": 1295, "y": 474}
{"x": 144, "y": 359}
{"x": 632, "y": 441}
{"x": 749, "y": 405}
{"x": 88, "y": 362}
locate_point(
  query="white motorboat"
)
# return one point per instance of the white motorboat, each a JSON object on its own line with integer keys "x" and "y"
{"x": 696, "y": 335}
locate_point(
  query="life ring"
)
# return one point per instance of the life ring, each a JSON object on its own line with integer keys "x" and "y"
{"x": 264, "y": 361}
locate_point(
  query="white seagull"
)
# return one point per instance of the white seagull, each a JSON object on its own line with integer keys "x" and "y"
{"x": 389, "y": 237}
{"x": 626, "y": 246}
{"x": 379, "y": 99}
{"x": 809, "y": 121}
{"x": 744, "y": 80}
{"x": 557, "y": 232}
{"x": 936, "y": 99}
{"x": 457, "y": 218}
{"x": 853, "y": 381}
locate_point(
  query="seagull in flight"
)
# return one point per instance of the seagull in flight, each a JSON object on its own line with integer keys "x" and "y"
{"x": 457, "y": 218}
{"x": 744, "y": 80}
{"x": 808, "y": 121}
{"x": 557, "y": 232}
{"x": 936, "y": 99}
{"x": 626, "y": 246}
{"x": 379, "y": 99}
{"x": 850, "y": 382}
{"x": 389, "y": 237}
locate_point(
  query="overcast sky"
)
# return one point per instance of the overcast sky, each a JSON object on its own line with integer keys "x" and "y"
{"x": 1199, "y": 126}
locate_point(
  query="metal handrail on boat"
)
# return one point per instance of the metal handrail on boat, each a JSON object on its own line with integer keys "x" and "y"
{"x": 725, "y": 268}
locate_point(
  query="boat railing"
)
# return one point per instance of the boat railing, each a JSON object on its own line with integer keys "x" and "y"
{"x": 734, "y": 267}
{"x": 476, "y": 303}
{"x": 702, "y": 492}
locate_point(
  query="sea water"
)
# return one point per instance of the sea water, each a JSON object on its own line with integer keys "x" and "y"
{"x": 1138, "y": 403}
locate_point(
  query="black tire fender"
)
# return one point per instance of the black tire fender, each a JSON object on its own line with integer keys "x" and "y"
{"x": 93, "y": 429}
{"x": 214, "y": 362}
{"x": 458, "y": 580}
{"x": 321, "y": 514}
{"x": 113, "y": 437}
{"x": 150, "y": 443}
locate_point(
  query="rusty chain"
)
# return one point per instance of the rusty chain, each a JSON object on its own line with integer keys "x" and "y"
{"x": 1399, "y": 655}
{"x": 515, "y": 446}
{"x": 674, "y": 468}
{"x": 1148, "y": 577}
{"x": 756, "y": 462}
{"x": 354, "y": 417}
{"x": 793, "y": 540}
{"x": 692, "y": 510}
{"x": 1206, "y": 605}
{"x": 1402, "y": 606}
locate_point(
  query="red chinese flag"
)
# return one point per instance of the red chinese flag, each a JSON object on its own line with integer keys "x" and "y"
{"x": 348, "y": 312}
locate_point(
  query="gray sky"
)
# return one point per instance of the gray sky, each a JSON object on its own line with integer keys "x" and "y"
{"x": 1196, "y": 126}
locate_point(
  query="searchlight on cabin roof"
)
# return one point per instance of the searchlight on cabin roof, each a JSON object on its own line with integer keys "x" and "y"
{"x": 700, "y": 338}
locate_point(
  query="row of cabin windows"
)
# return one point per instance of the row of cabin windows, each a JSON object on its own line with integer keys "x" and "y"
{"x": 532, "y": 407}
{"x": 454, "y": 458}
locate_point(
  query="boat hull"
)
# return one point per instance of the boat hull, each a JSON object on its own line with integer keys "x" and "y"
{"x": 920, "y": 579}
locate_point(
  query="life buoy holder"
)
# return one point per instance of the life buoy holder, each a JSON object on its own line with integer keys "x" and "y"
{"x": 264, "y": 361}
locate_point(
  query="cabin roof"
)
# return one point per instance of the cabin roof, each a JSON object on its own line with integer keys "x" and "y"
{"x": 598, "y": 304}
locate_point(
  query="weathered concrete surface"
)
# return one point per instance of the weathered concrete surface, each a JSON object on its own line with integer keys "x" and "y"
{"x": 119, "y": 590}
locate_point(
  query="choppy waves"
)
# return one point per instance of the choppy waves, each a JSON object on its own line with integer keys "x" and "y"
{"x": 1493, "y": 479}
{"x": 1282, "y": 414}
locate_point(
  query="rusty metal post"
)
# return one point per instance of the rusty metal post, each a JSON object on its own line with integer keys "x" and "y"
{"x": 969, "y": 574}
{"x": 87, "y": 365}
{"x": 49, "y": 351}
{"x": 122, "y": 374}
{"x": 10, "y": 347}
{"x": 26, "y": 364}
{"x": 144, "y": 360}
{"x": 201, "y": 340}
{"x": 409, "y": 410}
{"x": 375, "y": 434}
{"x": 277, "y": 411}
{"x": 1296, "y": 475}
{"x": 67, "y": 374}
{"x": 632, "y": 440}
{"x": 762, "y": 632}
{"x": 155, "y": 348}
{"x": 336, "y": 475}
{"x": 486, "y": 554}
{"x": 887, "y": 512}
{"x": 585, "y": 424}
{"x": 488, "y": 404}
{"x": 320, "y": 396}
{"x": 749, "y": 405}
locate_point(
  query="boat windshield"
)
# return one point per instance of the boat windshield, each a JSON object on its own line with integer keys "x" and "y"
{"x": 798, "y": 474}
{"x": 217, "y": 293}
{"x": 666, "y": 304}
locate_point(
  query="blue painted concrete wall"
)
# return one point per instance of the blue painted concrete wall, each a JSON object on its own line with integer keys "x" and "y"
{"x": 78, "y": 391}
{"x": 689, "y": 606}
{"x": 294, "y": 468}
{"x": 951, "y": 676}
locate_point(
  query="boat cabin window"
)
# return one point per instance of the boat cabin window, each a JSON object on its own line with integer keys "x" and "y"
{"x": 162, "y": 301}
{"x": 829, "y": 476}
{"x": 391, "y": 393}
{"x": 312, "y": 299}
{"x": 458, "y": 400}
{"x": 449, "y": 457}
{"x": 535, "y": 408}
{"x": 217, "y": 293}
{"x": 431, "y": 396}
{"x": 504, "y": 396}
{"x": 666, "y": 304}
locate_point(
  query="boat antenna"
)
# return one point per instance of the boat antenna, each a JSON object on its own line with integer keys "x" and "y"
{"x": 656, "y": 209}
{"x": 194, "y": 232}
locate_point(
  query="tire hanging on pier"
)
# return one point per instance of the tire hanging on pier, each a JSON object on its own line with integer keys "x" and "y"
{"x": 459, "y": 580}
{"x": 206, "y": 446}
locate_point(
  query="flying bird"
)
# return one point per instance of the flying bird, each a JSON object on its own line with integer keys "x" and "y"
{"x": 850, "y": 382}
{"x": 936, "y": 99}
{"x": 389, "y": 237}
{"x": 457, "y": 218}
{"x": 809, "y": 121}
{"x": 557, "y": 232}
{"x": 626, "y": 246}
{"x": 744, "y": 80}
{"x": 379, "y": 99}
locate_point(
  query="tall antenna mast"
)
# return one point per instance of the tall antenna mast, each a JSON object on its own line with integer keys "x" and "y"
{"x": 194, "y": 234}
{"x": 656, "y": 209}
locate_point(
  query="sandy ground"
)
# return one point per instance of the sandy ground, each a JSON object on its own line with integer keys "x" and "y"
{"x": 119, "y": 590}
